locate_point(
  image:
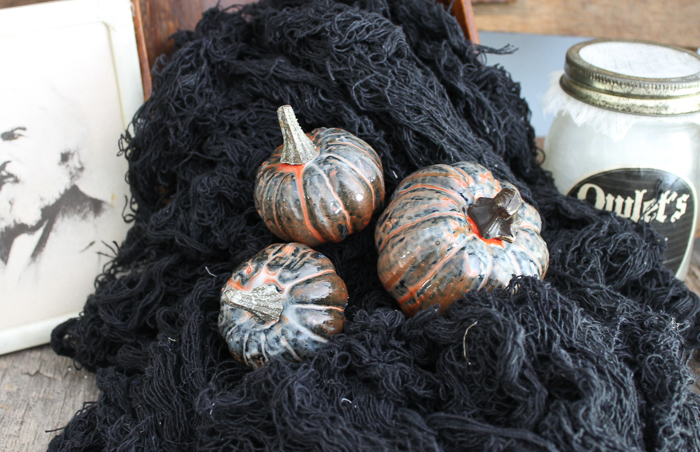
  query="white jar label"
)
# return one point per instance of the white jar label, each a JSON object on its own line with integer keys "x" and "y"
{"x": 662, "y": 199}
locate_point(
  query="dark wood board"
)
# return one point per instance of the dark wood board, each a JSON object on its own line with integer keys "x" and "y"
{"x": 669, "y": 22}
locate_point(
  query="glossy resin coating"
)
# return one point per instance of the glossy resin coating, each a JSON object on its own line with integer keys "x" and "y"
{"x": 325, "y": 199}
{"x": 431, "y": 252}
{"x": 283, "y": 303}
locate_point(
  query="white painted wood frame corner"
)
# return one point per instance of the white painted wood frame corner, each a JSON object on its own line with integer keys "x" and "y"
{"x": 116, "y": 17}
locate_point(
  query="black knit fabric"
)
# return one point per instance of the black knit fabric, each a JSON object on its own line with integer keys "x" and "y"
{"x": 591, "y": 358}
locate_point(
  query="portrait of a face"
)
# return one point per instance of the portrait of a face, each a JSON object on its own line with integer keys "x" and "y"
{"x": 62, "y": 184}
{"x": 39, "y": 166}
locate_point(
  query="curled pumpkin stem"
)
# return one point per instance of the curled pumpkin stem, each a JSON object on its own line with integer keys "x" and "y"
{"x": 497, "y": 217}
{"x": 297, "y": 148}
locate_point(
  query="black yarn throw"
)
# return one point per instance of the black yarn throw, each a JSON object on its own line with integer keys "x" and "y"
{"x": 592, "y": 358}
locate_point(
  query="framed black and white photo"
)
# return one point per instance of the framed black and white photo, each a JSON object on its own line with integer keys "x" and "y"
{"x": 69, "y": 85}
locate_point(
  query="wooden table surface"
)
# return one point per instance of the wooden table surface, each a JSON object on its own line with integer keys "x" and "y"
{"x": 40, "y": 391}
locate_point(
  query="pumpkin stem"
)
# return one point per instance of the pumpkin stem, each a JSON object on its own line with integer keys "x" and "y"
{"x": 497, "y": 217}
{"x": 264, "y": 302}
{"x": 297, "y": 148}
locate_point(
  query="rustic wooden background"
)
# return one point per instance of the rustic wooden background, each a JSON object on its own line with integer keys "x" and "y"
{"x": 669, "y": 22}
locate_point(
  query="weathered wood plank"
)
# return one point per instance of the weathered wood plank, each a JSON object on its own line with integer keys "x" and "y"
{"x": 161, "y": 19}
{"x": 142, "y": 50}
{"x": 670, "y": 22}
{"x": 39, "y": 392}
{"x": 11, "y": 3}
{"x": 464, "y": 13}
{"x": 206, "y": 4}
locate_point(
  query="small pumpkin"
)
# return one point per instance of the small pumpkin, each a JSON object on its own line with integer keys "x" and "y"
{"x": 319, "y": 187}
{"x": 453, "y": 228}
{"x": 284, "y": 303}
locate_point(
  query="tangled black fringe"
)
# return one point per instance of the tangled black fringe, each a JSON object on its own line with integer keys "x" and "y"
{"x": 591, "y": 358}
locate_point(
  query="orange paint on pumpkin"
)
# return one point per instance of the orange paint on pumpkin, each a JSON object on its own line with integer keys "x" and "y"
{"x": 431, "y": 187}
{"x": 416, "y": 221}
{"x": 475, "y": 230}
{"x": 298, "y": 171}
{"x": 315, "y": 275}
{"x": 274, "y": 213}
{"x": 234, "y": 284}
{"x": 413, "y": 291}
{"x": 308, "y": 222}
{"x": 391, "y": 281}
{"x": 270, "y": 281}
{"x": 379, "y": 162}
{"x": 440, "y": 281}
{"x": 361, "y": 175}
{"x": 341, "y": 204}
{"x": 294, "y": 263}
{"x": 469, "y": 180}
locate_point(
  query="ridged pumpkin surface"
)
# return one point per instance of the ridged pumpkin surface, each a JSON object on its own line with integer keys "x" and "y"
{"x": 313, "y": 298}
{"x": 430, "y": 252}
{"x": 325, "y": 199}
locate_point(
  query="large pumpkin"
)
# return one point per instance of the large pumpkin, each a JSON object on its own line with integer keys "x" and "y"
{"x": 318, "y": 188}
{"x": 453, "y": 228}
{"x": 284, "y": 303}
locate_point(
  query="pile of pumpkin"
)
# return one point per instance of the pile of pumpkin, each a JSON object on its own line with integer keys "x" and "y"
{"x": 447, "y": 229}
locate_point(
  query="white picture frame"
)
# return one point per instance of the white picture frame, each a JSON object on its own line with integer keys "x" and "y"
{"x": 73, "y": 85}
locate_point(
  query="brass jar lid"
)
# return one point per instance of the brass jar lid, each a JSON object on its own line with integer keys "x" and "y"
{"x": 636, "y": 77}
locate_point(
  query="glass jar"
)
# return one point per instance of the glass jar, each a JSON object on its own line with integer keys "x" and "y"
{"x": 626, "y": 136}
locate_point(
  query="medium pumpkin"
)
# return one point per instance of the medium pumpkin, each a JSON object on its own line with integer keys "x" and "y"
{"x": 453, "y": 228}
{"x": 319, "y": 187}
{"x": 284, "y": 303}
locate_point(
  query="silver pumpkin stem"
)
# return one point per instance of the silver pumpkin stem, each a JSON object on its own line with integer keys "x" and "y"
{"x": 297, "y": 148}
{"x": 264, "y": 302}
